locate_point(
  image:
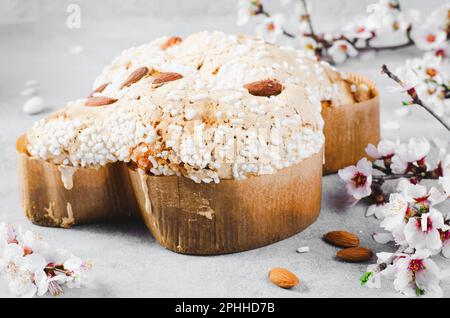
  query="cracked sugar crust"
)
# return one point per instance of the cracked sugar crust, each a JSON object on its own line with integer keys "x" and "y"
{"x": 175, "y": 107}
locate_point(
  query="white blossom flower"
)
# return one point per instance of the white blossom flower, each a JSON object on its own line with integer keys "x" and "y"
{"x": 341, "y": 50}
{"x": 31, "y": 242}
{"x": 358, "y": 178}
{"x": 385, "y": 149}
{"x": 25, "y": 274}
{"x": 427, "y": 67}
{"x": 374, "y": 280}
{"x": 414, "y": 152}
{"x": 308, "y": 45}
{"x": 423, "y": 232}
{"x": 398, "y": 165}
{"x": 377, "y": 210}
{"x": 445, "y": 238}
{"x": 412, "y": 200}
{"x": 395, "y": 211}
{"x": 246, "y": 9}
{"x": 440, "y": 17}
{"x": 79, "y": 272}
{"x": 381, "y": 14}
{"x": 406, "y": 19}
{"x": 8, "y": 234}
{"x": 358, "y": 29}
{"x": 445, "y": 184}
{"x": 417, "y": 275}
{"x": 428, "y": 36}
{"x": 383, "y": 238}
{"x": 409, "y": 79}
{"x": 30, "y": 268}
{"x": 271, "y": 28}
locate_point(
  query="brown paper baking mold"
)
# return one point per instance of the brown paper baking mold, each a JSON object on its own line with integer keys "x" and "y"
{"x": 350, "y": 128}
{"x": 183, "y": 216}
{"x": 89, "y": 195}
{"x": 233, "y": 215}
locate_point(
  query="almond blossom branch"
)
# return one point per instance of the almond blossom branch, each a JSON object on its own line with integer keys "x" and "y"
{"x": 382, "y": 266}
{"x": 415, "y": 99}
{"x": 357, "y": 36}
{"x": 369, "y": 47}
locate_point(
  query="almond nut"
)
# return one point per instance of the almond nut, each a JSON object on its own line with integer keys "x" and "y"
{"x": 162, "y": 78}
{"x": 268, "y": 87}
{"x": 355, "y": 254}
{"x": 99, "y": 89}
{"x": 135, "y": 76}
{"x": 100, "y": 101}
{"x": 341, "y": 239}
{"x": 283, "y": 278}
{"x": 174, "y": 40}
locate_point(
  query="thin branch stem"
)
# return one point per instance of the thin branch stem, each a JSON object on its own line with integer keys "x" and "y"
{"x": 415, "y": 99}
{"x": 308, "y": 18}
{"x": 382, "y": 266}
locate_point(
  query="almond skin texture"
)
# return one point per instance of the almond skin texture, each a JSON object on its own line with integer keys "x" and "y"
{"x": 355, "y": 254}
{"x": 135, "y": 76}
{"x": 283, "y": 278}
{"x": 99, "y": 89}
{"x": 268, "y": 87}
{"x": 174, "y": 40}
{"x": 100, "y": 101}
{"x": 165, "y": 77}
{"x": 341, "y": 239}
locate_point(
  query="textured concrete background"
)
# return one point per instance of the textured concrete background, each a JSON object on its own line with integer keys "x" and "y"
{"x": 35, "y": 44}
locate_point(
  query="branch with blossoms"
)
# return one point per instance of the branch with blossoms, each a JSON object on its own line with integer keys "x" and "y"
{"x": 441, "y": 88}
{"x": 32, "y": 268}
{"x": 409, "y": 216}
{"x": 363, "y": 34}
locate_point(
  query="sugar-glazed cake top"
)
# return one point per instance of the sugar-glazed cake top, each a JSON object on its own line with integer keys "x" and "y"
{"x": 208, "y": 107}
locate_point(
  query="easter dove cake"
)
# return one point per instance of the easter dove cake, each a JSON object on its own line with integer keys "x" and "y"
{"x": 216, "y": 140}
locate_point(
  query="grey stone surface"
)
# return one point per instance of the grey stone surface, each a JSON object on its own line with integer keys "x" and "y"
{"x": 127, "y": 261}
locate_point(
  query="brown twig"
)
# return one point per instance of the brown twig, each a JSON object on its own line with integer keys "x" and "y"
{"x": 415, "y": 99}
{"x": 307, "y": 16}
{"x": 382, "y": 266}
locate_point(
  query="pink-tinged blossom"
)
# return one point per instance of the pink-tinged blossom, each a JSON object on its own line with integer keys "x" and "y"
{"x": 428, "y": 36}
{"x": 422, "y": 232}
{"x": 445, "y": 238}
{"x": 271, "y": 27}
{"x": 385, "y": 149}
{"x": 395, "y": 212}
{"x": 31, "y": 268}
{"x": 383, "y": 238}
{"x": 246, "y": 9}
{"x": 417, "y": 275}
{"x": 358, "y": 178}
{"x": 377, "y": 210}
{"x": 341, "y": 50}
{"x": 358, "y": 29}
{"x": 412, "y": 153}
